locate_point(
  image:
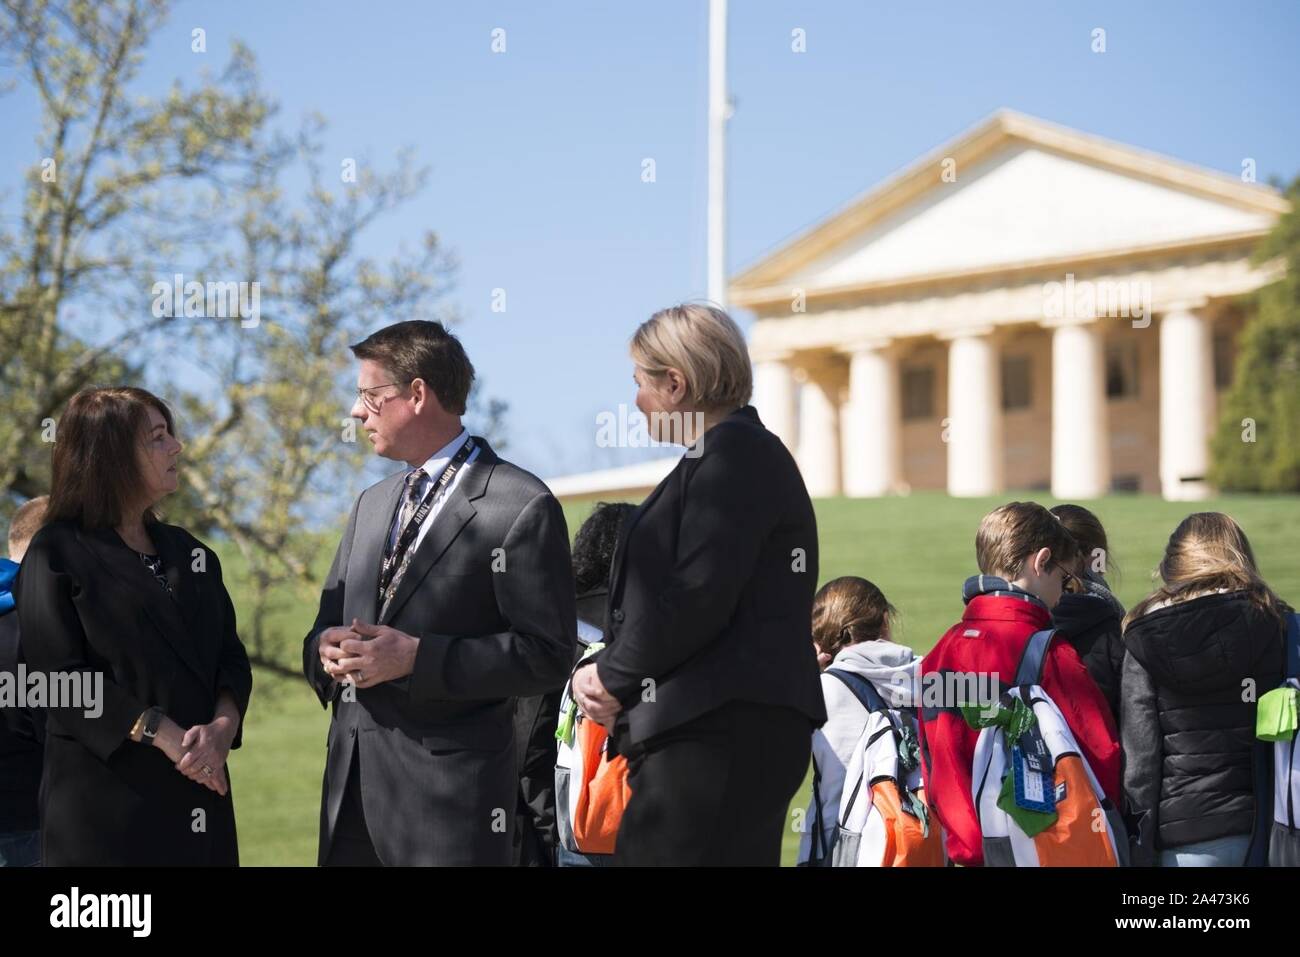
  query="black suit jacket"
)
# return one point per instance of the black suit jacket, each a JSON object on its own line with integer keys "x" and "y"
{"x": 87, "y": 603}
{"x": 22, "y": 731}
{"x": 489, "y": 593}
{"x": 712, "y": 587}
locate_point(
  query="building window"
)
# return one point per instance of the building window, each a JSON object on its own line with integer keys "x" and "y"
{"x": 1122, "y": 370}
{"x": 918, "y": 393}
{"x": 1126, "y": 483}
{"x": 1017, "y": 389}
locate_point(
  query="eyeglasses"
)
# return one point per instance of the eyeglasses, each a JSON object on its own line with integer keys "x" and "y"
{"x": 1070, "y": 582}
{"x": 369, "y": 403}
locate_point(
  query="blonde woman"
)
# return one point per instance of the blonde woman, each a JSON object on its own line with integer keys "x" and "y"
{"x": 1200, "y": 649}
{"x": 710, "y": 680}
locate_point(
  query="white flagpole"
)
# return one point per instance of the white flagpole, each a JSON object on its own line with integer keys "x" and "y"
{"x": 718, "y": 110}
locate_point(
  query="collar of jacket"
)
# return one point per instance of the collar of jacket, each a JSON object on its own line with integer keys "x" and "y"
{"x": 978, "y": 585}
{"x": 746, "y": 413}
{"x": 1004, "y": 607}
{"x": 173, "y": 615}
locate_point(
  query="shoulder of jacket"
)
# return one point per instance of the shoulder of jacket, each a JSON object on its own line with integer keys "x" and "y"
{"x": 54, "y": 536}
{"x": 738, "y": 442}
{"x": 516, "y": 480}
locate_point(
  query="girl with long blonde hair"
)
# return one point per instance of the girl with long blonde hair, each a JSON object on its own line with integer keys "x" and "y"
{"x": 1200, "y": 650}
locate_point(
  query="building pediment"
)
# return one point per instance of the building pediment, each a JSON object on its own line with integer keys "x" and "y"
{"x": 1013, "y": 191}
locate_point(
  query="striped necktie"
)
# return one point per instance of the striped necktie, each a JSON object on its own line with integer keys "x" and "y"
{"x": 402, "y": 557}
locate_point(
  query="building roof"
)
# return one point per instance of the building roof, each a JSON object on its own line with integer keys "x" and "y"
{"x": 1025, "y": 192}
{"x": 628, "y": 481}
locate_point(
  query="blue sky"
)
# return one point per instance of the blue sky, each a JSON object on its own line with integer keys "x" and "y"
{"x": 536, "y": 153}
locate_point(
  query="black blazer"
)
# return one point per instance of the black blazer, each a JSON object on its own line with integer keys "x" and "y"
{"x": 489, "y": 593}
{"x": 712, "y": 587}
{"x": 86, "y": 602}
{"x": 22, "y": 733}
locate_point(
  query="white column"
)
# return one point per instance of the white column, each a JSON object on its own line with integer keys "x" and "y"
{"x": 1186, "y": 395}
{"x": 974, "y": 414}
{"x": 1080, "y": 431}
{"x": 776, "y": 396}
{"x": 819, "y": 434}
{"x": 870, "y": 435}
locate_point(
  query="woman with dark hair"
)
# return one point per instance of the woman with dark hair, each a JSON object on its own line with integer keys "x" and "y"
{"x": 136, "y": 610}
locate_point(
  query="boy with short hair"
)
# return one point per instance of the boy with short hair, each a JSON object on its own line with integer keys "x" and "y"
{"x": 1025, "y": 555}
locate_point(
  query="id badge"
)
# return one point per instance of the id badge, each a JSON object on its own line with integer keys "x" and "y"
{"x": 1031, "y": 763}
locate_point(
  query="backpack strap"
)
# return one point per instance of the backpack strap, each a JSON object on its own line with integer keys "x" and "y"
{"x": 818, "y": 853}
{"x": 1293, "y": 645}
{"x": 1030, "y": 670}
{"x": 862, "y": 689}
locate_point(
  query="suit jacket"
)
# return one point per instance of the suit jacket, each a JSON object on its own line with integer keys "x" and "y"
{"x": 87, "y": 603}
{"x": 712, "y": 587}
{"x": 489, "y": 594}
{"x": 22, "y": 731}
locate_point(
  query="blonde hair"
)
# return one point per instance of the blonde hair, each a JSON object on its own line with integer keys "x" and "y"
{"x": 27, "y": 519}
{"x": 705, "y": 345}
{"x": 849, "y": 610}
{"x": 1012, "y": 532}
{"x": 1209, "y": 551}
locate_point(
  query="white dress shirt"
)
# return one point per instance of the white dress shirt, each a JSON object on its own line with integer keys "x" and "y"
{"x": 433, "y": 469}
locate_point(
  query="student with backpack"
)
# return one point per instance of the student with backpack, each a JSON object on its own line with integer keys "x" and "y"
{"x": 1201, "y": 650}
{"x": 589, "y": 794}
{"x": 1056, "y": 774}
{"x": 1088, "y": 615}
{"x": 870, "y": 685}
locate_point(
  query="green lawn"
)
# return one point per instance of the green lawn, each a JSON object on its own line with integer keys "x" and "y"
{"x": 918, "y": 549}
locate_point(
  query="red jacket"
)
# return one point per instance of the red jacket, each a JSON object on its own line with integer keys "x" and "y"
{"x": 1003, "y": 627}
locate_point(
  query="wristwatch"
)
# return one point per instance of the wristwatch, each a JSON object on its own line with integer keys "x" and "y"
{"x": 153, "y": 720}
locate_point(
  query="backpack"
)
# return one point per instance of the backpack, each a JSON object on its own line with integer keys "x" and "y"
{"x": 884, "y": 820}
{"x": 1037, "y": 800}
{"x": 590, "y": 786}
{"x": 1284, "y": 836}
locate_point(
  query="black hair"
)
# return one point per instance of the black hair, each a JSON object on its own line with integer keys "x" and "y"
{"x": 593, "y": 546}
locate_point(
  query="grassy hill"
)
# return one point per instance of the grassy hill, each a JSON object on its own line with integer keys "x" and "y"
{"x": 918, "y": 549}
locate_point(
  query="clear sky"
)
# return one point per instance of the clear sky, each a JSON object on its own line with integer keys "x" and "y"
{"x": 537, "y": 153}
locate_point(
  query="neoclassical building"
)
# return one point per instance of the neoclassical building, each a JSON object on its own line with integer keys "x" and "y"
{"x": 1026, "y": 307}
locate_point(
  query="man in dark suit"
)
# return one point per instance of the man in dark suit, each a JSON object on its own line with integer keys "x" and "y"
{"x": 451, "y": 594}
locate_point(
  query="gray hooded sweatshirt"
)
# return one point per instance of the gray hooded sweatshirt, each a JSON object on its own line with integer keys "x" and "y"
{"x": 895, "y": 672}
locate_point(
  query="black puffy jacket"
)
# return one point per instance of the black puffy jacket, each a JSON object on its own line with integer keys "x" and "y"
{"x": 1091, "y": 622}
{"x": 1192, "y": 675}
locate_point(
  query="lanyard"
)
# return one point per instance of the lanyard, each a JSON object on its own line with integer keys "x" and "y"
{"x": 404, "y": 540}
